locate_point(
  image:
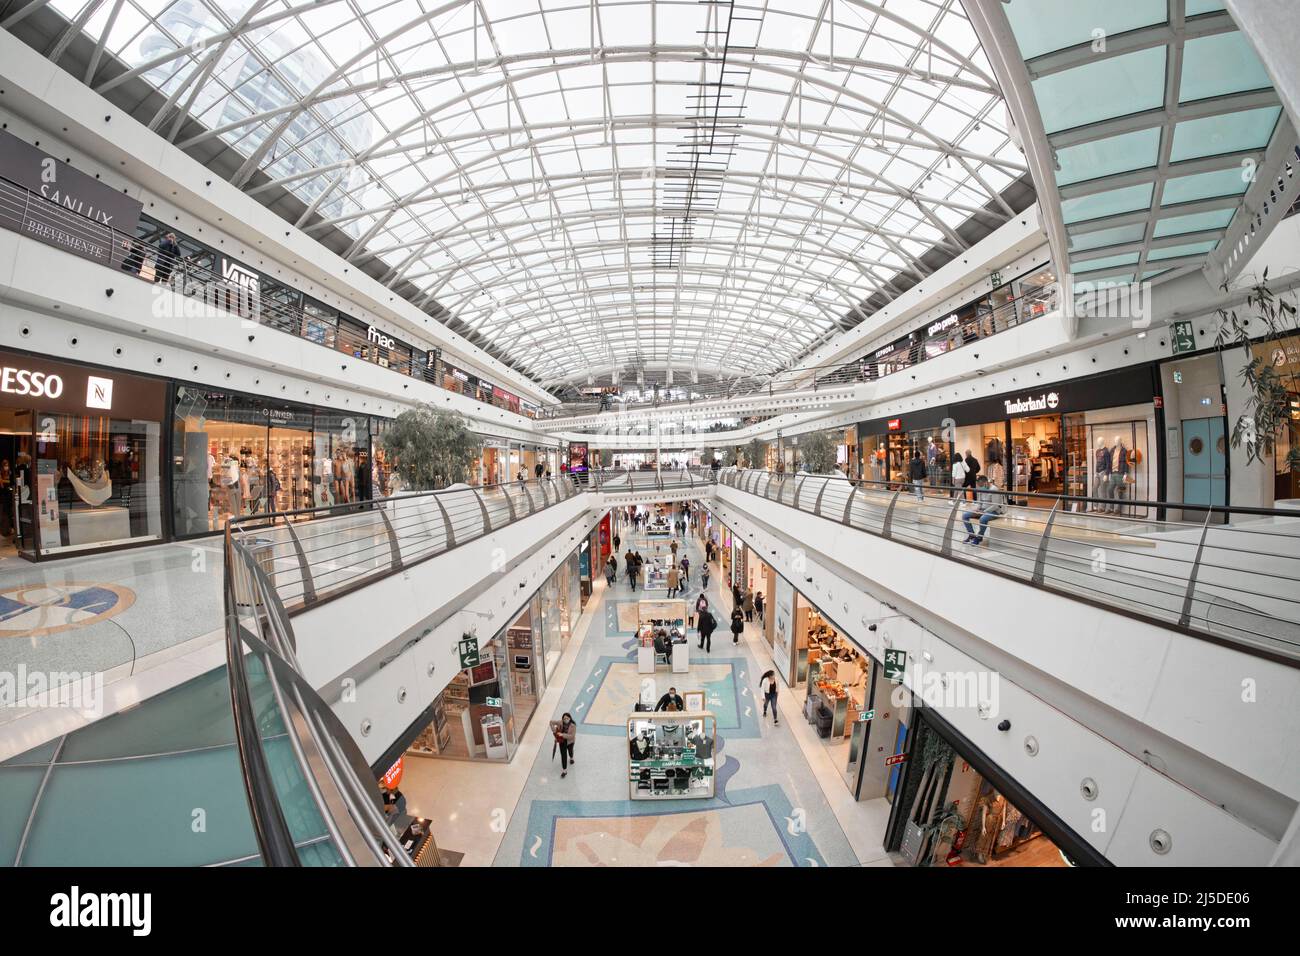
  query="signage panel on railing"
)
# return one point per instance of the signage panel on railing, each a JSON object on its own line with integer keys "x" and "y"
{"x": 55, "y": 204}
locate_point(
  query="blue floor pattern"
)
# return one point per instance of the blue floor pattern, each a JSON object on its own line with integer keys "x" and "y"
{"x": 768, "y": 809}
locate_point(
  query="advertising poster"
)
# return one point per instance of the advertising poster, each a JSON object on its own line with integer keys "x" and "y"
{"x": 578, "y": 461}
{"x": 782, "y": 628}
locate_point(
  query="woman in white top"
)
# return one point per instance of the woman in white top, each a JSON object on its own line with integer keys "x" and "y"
{"x": 958, "y": 474}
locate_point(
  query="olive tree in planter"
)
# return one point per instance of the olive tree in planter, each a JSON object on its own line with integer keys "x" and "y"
{"x": 725, "y": 457}
{"x": 430, "y": 448}
{"x": 1268, "y": 415}
{"x": 817, "y": 453}
{"x": 755, "y": 453}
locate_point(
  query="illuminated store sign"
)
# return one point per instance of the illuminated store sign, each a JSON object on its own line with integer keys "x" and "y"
{"x": 1047, "y": 402}
{"x": 380, "y": 339}
{"x": 25, "y": 382}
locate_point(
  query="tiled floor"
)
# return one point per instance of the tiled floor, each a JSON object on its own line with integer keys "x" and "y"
{"x": 780, "y": 799}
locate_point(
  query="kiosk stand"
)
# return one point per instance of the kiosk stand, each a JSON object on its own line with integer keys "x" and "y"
{"x": 670, "y": 755}
{"x": 662, "y": 637}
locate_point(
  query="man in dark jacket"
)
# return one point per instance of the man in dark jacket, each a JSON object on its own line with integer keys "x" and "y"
{"x": 916, "y": 472}
{"x": 707, "y": 624}
{"x": 672, "y": 697}
{"x": 169, "y": 254}
{"x": 972, "y": 472}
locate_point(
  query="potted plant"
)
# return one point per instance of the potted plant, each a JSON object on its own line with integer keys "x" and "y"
{"x": 430, "y": 448}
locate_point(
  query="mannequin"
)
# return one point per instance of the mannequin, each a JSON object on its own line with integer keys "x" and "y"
{"x": 1101, "y": 475}
{"x": 1119, "y": 468}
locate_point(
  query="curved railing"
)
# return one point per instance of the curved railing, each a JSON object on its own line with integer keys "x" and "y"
{"x": 1224, "y": 573}
{"x": 312, "y": 797}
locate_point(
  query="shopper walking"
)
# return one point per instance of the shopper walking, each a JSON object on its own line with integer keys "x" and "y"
{"x": 566, "y": 733}
{"x": 972, "y": 472}
{"x": 674, "y": 579}
{"x": 737, "y": 599}
{"x": 748, "y": 604}
{"x": 758, "y": 604}
{"x": 916, "y": 472}
{"x": 631, "y": 568}
{"x": 686, "y": 570}
{"x": 737, "y": 625}
{"x": 673, "y": 548}
{"x": 611, "y": 571}
{"x": 617, "y": 542}
{"x": 707, "y": 624}
{"x": 959, "y": 470}
{"x": 767, "y": 685}
{"x": 704, "y": 577}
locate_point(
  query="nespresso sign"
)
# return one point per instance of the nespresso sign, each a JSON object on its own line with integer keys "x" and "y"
{"x": 44, "y": 386}
{"x": 67, "y": 208}
{"x": 1046, "y": 402}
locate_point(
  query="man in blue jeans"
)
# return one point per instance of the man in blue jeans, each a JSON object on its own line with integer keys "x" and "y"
{"x": 988, "y": 507}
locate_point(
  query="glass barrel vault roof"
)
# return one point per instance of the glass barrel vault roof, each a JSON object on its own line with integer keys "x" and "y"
{"x": 591, "y": 186}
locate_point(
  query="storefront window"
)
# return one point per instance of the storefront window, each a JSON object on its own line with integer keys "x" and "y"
{"x": 341, "y": 465}
{"x": 236, "y": 455}
{"x": 96, "y": 481}
{"x": 957, "y": 817}
{"x": 1284, "y": 357}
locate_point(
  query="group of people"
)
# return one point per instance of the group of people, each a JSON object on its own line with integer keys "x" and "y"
{"x": 983, "y": 490}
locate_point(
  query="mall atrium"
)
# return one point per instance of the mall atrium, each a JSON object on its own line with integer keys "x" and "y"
{"x": 867, "y": 432}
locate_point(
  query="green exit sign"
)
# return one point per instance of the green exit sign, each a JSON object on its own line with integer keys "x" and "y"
{"x": 1184, "y": 339}
{"x": 468, "y": 648}
{"x": 866, "y": 715}
{"x": 494, "y": 701}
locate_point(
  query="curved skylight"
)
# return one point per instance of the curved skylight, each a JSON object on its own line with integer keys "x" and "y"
{"x": 626, "y": 185}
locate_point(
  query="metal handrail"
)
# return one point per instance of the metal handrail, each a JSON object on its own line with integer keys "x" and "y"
{"x": 258, "y": 613}
{"x": 1225, "y": 576}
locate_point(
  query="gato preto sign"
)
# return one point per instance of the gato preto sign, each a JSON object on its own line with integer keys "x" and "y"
{"x": 67, "y": 209}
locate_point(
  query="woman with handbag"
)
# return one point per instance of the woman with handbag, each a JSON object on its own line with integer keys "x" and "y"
{"x": 566, "y": 732}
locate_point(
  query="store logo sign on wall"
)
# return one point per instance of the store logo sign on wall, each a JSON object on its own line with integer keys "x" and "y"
{"x": 895, "y": 424}
{"x": 21, "y": 381}
{"x": 379, "y": 338}
{"x": 99, "y": 392}
{"x": 65, "y": 186}
{"x": 241, "y": 278}
{"x": 1043, "y": 403}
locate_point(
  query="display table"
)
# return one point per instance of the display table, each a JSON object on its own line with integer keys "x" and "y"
{"x": 659, "y": 528}
{"x": 94, "y": 525}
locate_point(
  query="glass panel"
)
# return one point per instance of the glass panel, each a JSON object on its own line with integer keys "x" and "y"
{"x": 1102, "y": 90}
{"x": 1224, "y": 182}
{"x": 1196, "y": 222}
{"x": 98, "y": 481}
{"x": 342, "y": 448}
{"x": 1212, "y": 135}
{"x": 1105, "y": 157}
{"x": 1218, "y": 65}
{"x": 1106, "y": 237}
{"x": 1110, "y": 203}
{"x": 1057, "y": 24}
{"x": 1187, "y": 249}
{"x": 1106, "y": 262}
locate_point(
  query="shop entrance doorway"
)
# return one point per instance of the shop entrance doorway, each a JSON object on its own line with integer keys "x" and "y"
{"x": 15, "y": 452}
{"x": 1039, "y": 459}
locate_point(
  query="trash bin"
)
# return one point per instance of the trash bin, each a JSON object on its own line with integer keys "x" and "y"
{"x": 824, "y": 720}
{"x": 263, "y": 552}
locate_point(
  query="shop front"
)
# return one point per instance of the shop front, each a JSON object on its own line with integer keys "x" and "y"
{"x": 235, "y": 455}
{"x": 888, "y": 445}
{"x": 81, "y": 457}
{"x": 1195, "y": 422}
{"x": 954, "y": 807}
{"x": 483, "y": 713}
{"x": 1091, "y": 437}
